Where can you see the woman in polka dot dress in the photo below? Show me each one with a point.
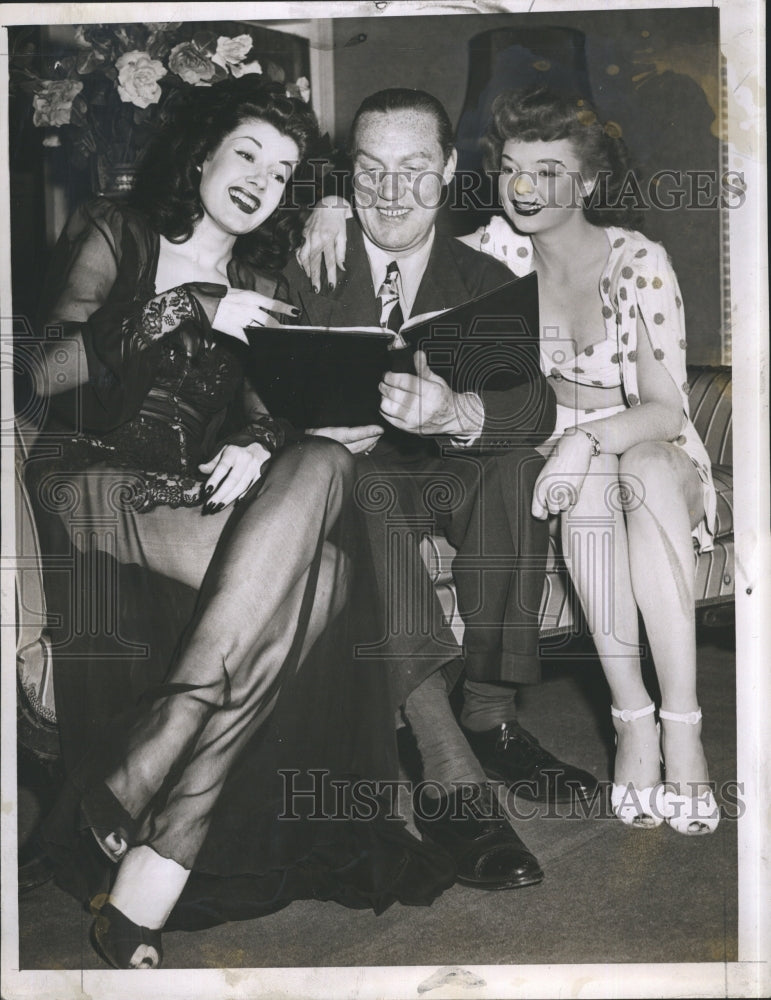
(626, 471)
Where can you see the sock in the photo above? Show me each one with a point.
(444, 750)
(487, 705)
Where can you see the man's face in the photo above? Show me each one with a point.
(398, 173)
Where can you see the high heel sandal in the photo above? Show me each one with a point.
(118, 939)
(636, 807)
(691, 815)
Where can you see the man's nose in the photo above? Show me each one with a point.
(393, 184)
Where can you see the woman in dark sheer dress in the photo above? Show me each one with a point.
(152, 299)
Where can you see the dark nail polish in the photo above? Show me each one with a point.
(295, 312)
(316, 289)
(208, 491)
(207, 508)
(219, 507)
(331, 287)
(236, 503)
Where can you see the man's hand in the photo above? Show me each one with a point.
(355, 439)
(425, 404)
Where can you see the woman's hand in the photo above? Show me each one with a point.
(241, 308)
(325, 238)
(558, 486)
(355, 439)
(232, 471)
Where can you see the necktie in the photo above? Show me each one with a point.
(391, 315)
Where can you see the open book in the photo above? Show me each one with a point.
(328, 376)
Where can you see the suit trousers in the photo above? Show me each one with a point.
(482, 505)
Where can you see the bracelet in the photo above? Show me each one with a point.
(596, 450)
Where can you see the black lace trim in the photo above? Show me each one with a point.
(157, 489)
(158, 317)
(267, 431)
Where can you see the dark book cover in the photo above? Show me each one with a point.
(327, 377)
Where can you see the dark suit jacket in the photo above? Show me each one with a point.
(455, 274)
(496, 488)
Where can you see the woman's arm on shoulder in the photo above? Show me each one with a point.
(324, 240)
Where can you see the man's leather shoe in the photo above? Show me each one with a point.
(471, 827)
(511, 754)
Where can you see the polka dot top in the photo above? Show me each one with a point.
(638, 285)
(598, 365)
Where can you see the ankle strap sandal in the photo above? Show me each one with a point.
(638, 807)
(691, 815)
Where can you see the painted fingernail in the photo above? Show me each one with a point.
(316, 289)
(219, 507)
(331, 287)
(208, 491)
(294, 311)
(206, 508)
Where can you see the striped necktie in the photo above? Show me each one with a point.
(391, 316)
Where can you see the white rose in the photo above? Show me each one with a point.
(232, 50)
(304, 87)
(53, 103)
(138, 77)
(242, 69)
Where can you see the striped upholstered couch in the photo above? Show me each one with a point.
(710, 405)
(710, 401)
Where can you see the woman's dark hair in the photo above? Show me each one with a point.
(167, 188)
(406, 99)
(543, 115)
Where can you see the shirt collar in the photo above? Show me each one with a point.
(411, 269)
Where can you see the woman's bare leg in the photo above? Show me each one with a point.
(666, 502)
(595, 547)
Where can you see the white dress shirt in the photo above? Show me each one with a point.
(412, 267)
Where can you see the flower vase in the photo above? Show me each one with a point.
(114, 180)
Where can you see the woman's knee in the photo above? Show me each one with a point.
(649, 470)
(329, 467)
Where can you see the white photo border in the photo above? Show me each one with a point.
(742, 36)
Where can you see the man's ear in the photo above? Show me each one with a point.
(449, 168)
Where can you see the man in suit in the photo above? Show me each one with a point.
(459, 459)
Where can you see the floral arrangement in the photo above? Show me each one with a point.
(109, 93)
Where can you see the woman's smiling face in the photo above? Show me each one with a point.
(243, 180)
(540, 183)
